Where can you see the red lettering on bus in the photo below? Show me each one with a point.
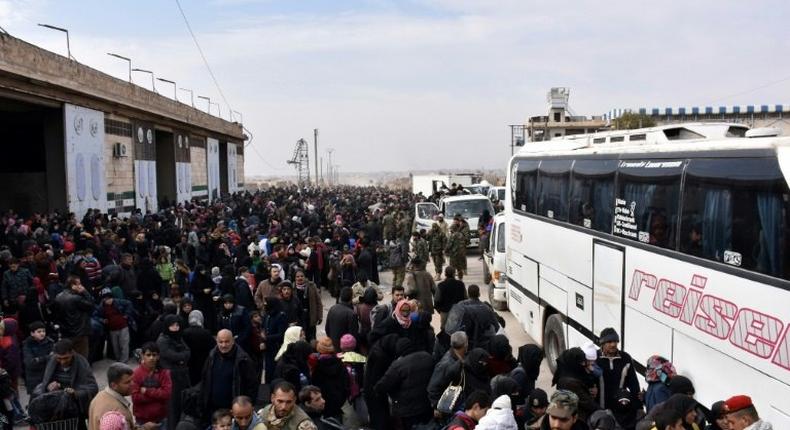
(713, 316)
(759, 334)
(638, 280)
(690, 307)
(782, 357)
(756, 332)
(669, 297)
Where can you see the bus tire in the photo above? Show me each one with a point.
(553, 340)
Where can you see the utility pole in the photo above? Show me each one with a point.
(321, 164)
(329, 168)
(315, 148)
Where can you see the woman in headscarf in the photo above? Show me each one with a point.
(201, 288)
(406, 321)
(293, 334)
(331, 377)
(174, 355)
(275, 322)
(381, 356)
(502, 360)
(293, 364)
(526, 373)
(572, 374)
(658, 372)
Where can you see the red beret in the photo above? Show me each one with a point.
(736, 403)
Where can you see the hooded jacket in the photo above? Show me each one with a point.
(526, 373)
(499, 416)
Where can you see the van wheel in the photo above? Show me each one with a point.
(553, 340)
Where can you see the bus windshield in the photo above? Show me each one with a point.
(468, 208)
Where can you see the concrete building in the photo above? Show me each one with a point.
(560, 120)
(76, 138)
(763, 115)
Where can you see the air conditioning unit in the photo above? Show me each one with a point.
(120, 150)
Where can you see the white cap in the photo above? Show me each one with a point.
(502, 402)
(590, 351)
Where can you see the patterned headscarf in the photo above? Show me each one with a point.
(659, 369)
(405, 322)
(113, 420)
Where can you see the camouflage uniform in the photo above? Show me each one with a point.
(456, 250)
(388, 226)
(421, 252)
(437, 241)
(404, 225)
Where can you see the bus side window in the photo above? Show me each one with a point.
(592, 194)
(648, 192)
(526, 184)
(553, 185)
(735, 211)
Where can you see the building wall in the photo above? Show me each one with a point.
(199, 170)
(240, 169)
(119, 171)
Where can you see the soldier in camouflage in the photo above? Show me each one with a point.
(464, 227)
(456, 250)
(419, 249)
(388, 226)
(437, 241)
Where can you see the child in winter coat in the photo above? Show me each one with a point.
(35, 353)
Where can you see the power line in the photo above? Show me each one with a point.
(769, 84)
(203, 56)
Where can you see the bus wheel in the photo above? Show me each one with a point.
(553, 340)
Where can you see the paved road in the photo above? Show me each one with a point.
(513, 330)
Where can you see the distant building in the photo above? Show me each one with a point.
(763, 115)
(560, 120)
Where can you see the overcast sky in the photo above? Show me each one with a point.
(424, 84)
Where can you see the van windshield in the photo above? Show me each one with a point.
(427, 211)
(468, 208)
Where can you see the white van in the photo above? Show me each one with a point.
(470, 207)
(424, 216)
(495, 264)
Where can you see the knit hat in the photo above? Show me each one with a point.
(608, 335)
(325, 346)
(348, 342)
(228, 298)
(170, 320)
(196, 318)
(502, 402)
(113, 420)
(736, 403)
(590, 351)
(105, 292)
(682, 385)
(538, 398)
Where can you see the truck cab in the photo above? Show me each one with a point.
(470, 207)
(495, 264)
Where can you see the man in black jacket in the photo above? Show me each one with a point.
(618, 370)
(406, 382)
(74, 307)
(342, 319)
(228, 373)
(448, 292)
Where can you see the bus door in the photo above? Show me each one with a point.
(608, 287)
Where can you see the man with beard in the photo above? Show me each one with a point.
(283, 413)
(312, 308)
(268, 287)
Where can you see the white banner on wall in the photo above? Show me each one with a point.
(212, 162)
(145, 188)
(184, 182)
(87, 189)
(232, 183)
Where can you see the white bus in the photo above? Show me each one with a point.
(676, 236)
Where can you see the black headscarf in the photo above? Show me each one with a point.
(529, 358)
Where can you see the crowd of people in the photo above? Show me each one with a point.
(213, 317)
